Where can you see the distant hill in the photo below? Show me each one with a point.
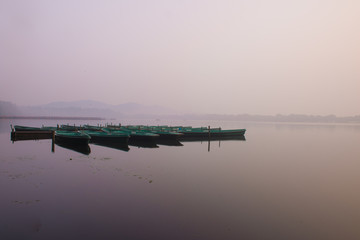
(8, 109)
(89, 108)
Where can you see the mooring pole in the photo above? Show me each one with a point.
(53, 142)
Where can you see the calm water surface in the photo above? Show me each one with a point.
(286, 181)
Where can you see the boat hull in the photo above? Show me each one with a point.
(28, 129)
(214, 134)
(75, 138)
(109, 139)
(72, 140)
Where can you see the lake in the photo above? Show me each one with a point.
(285, 181)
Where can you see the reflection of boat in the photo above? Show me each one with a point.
(213, 138)
(168, 142)
(142, 143)
(114, 137)
(115, 145)
(31, 135)
(81, 148)
(69, 137)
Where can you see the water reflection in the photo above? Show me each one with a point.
(169, 142)
(30, 136)
(80, 148)
(202, 139)
(142, 144)
(114, 145)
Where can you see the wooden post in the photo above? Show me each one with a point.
(53, 142)
(209, 131)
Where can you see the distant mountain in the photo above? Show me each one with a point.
(78, 104)
(89, 108)
(8, 109)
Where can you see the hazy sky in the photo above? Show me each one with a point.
(206, 56)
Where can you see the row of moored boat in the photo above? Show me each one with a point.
(121, 134)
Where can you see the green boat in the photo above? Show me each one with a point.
(72, 137)
(164, 132)
(92, 128)
(217, 133)
(102, 136)
(71, 128)
(137, 135)
(19, 128)
(49, 128)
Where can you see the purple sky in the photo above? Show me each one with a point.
(210, 56)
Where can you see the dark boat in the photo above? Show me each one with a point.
(72, 137)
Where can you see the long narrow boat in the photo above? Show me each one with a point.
(92, 128)
(72, 137)
(71, 128)
(134, 134)
(114, 136)
(49, 128)
(19, 128)
(212, 133)
(164, 132)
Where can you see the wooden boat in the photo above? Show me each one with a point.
(114, 136)
(92, 128)
(164, 132)
(49, 128)
(72, 137)
(134, 134)
(19, 128)
(71, 128)
(217, 133)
